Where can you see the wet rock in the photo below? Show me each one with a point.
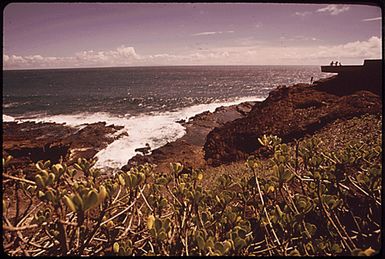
(144, 150)
(89, 140)
(181, 121)
(188, 150)
(29, 142)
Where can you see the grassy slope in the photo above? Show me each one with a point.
(367, 128)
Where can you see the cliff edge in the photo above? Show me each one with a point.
(293, 112)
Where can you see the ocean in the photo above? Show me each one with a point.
(147, 101)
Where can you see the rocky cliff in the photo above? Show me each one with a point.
(290, 113)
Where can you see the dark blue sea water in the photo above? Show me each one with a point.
(146, 100)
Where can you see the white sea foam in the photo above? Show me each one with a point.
(8, 118)
(155, 129)
(76, 120)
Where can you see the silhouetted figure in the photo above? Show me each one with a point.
(331, 63)
(339, 64)
(144, 150)
(311, 80)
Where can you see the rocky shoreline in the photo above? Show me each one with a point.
(29, 142)
(188, 150)
(288, 112)
(227, 135)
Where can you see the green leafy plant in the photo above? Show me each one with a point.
(301, 201)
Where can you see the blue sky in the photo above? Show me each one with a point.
(93, 35)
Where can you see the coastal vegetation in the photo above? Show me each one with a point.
(310, 197)
(220, 136)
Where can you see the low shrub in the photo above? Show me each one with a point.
(301, 201)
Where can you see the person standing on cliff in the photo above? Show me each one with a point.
(311, 80)
(331, 63)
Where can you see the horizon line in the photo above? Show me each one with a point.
(53, 68)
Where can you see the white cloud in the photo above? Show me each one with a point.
(302, 14)
(34, 58)
(205, 33)
(119, 57)
(5, 58)
(334, 9)
(258, 53)
(201, 57)
(347, 53)
(17, 58)
(36, 61)
(372, 19)
(298, 39)
(210, 33)
(127, 52)
(357, 49)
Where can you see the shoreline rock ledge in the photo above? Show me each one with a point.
(29, 142)
(189, 148)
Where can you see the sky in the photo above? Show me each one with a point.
(60, 35)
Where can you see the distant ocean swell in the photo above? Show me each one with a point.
(156, 129)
